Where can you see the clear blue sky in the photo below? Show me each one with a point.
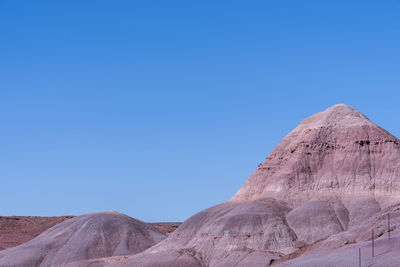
(159, 109)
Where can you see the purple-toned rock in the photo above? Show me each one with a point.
(335, 171)
(88, 236)
(337, 153)
(225, 235)
(332, 179)
(314, 221)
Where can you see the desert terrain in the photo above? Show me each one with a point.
(327, 195)
(15, 230)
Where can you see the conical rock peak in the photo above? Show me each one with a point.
(338, 152)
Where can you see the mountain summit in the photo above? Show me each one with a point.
(337, 115)
(338, 153)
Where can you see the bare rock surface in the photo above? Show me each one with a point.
(313, 202)
(314, 221)
(166, 227)
(335, 154)
(228, 234)
(84, 237)
(342, 213)
(362, 210)
(15, 230)
(331, 174)
(342, 249)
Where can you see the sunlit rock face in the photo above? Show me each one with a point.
(336, 153)
(328, 176)
(224, 235)
(325, 185)
(84, 237)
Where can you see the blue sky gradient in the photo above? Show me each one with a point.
(159, 109)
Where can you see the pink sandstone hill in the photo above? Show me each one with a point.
(313, 202)
(336, 153)
(327, 183)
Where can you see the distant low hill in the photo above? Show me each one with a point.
(15, 230)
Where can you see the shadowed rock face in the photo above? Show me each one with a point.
(166, 227)
(85, 237)
(342, 249)
(313, 221)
